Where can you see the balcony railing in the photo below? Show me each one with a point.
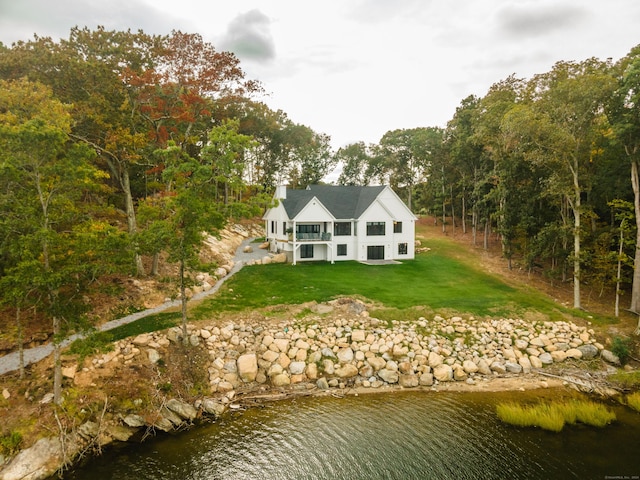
(318, 237)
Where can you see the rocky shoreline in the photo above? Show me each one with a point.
(335, 348)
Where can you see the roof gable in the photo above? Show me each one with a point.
(343, 202)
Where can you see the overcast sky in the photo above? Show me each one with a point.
(355, 69)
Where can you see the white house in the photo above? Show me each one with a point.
(333, 223)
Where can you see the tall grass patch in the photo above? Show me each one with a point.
(633, 401)
(553, 416)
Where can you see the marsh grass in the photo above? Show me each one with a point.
(553, 416)
(626, 379)
(633, 401)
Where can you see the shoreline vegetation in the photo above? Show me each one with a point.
(245, 347)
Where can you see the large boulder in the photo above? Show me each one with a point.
(347, 371)
(389, 376)
(39, 461)
(345, 355)
(610, 357)
(182, 409)
(247, 366)
(409, 381)
(443, 373)
(588, 351)
(377, 363)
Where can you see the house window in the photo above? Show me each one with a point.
(342, 228)
(306, 251)
(375, 228)
(308, 228)
(342, 249)
(402, 249)
(284, 227)
(397, 227)
(273, 226)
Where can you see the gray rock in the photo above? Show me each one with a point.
(388, 376)
(610, 357)
(499, 368)
(163, 424)
(588, 351)
(182, 409)
(328, 353)
(173, 417)
(212, 407)
(546, 358)
(513, 367)
(297, 368)
(121, 433)
(89, 430)
(153, 355)
(133, 420)
(39, 461)
(322, 384)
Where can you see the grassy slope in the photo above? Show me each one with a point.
(434, 279)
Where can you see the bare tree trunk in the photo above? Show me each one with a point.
(20, 345)
(576, 207)
(619, 272)
(57, 363)
(453, 212)
(131, 219)
(474, 225)
(635, 287)
(464, 214)
(155, 265)
(485, 241)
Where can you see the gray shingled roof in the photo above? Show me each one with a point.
(344, 202)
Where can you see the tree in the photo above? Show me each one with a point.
(190, 205)
(355, 159)
(624, 114)
(406, 153)
(52, 236)
(557, 131)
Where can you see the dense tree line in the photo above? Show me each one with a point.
(548, 165)
(117, 147)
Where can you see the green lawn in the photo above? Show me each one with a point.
(434, 280)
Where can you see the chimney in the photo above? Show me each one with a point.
(281, 192)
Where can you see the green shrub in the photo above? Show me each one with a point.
(621, 346)
(633, 401)
(553, 416)
(10, 443)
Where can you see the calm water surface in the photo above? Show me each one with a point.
(380, 436)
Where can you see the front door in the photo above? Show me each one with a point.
(375, 252)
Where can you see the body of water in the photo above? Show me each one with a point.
(419, 435)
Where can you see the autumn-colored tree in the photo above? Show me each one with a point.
(54, 246)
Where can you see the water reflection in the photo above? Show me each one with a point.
(393, 436)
